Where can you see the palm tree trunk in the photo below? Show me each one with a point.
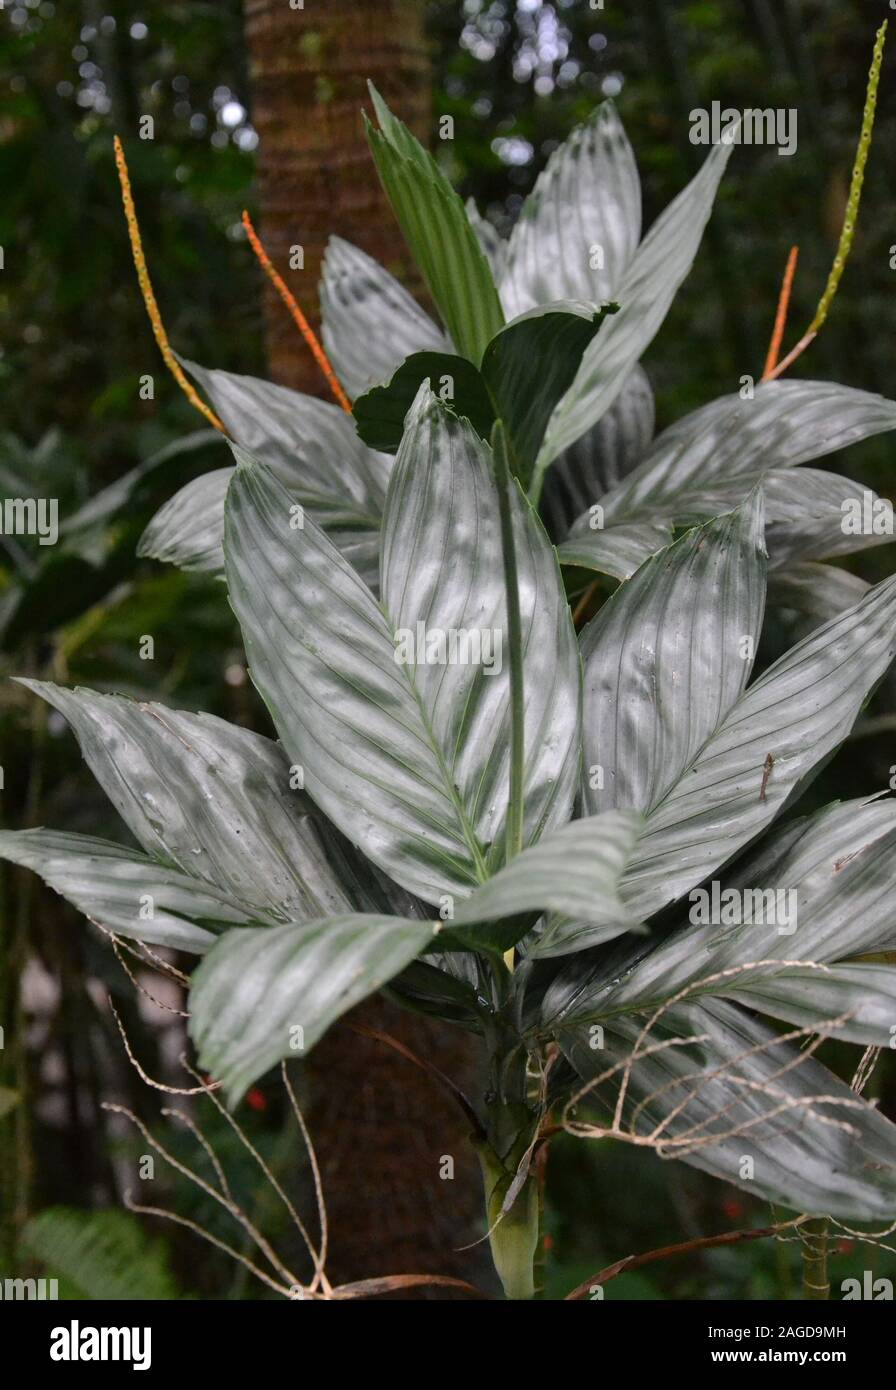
(386, 1135)
(309, 69)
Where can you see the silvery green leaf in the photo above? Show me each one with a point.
(604, 455)
(742, 1092)
(645, 292)
(262, 996)
(815, 515)
(310, 445)
(835, 882)
(438, 232)
(617, 550)
(493, 244)
(126, 891)
(370, 323)
(667, 657)
(763, 750)
(208, 797)
(785, 424)
(188, 530)
(411, 761)
(816, 593)
(575, 870)
(856, 1003)
(580, 226)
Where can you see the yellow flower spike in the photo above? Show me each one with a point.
(855, 186)
(149, 298)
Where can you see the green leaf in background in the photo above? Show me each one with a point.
(100, 1255)
(435, 226)
(370, 323)
(263, 996)
(526, 369)
(380, 413)
(530, 365)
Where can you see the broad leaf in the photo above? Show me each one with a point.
(763, 750)
(618, 550)
(740, 1091)
(574, 871)
(666, 658)
(836, 877)
(604, 455)
(580, 225)
(208, 797)
(525, 370)
(411, 760)
(645, 293)
(493, 244)
(125, 891)
(785, 424)
(370, 323)
(188, 531)
(815, 592)
(380, 413)
(261, 996)
(436, 228)
(853, 1002)
(530, 364)
(310, 445)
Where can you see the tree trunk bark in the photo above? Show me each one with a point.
(385, 1132)
(309, 69)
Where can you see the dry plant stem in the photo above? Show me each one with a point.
(816, 1280)
(686, 1247)
(774, 349)
(149, 298)
(228, 1204)
(315, 1169)
(145, 1077)
(165, 1215)
(298, 317)
(251, 1149)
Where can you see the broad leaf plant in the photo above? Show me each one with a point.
(503, 821)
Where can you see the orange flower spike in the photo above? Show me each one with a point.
(149, 298)
(774, 350)
(298, 317)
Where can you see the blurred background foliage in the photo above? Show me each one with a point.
(516, 75)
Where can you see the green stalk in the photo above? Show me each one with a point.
(515, 636)
(514, 838)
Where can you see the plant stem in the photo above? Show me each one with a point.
(816, 1280)
(514, 834)
(515, 638)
